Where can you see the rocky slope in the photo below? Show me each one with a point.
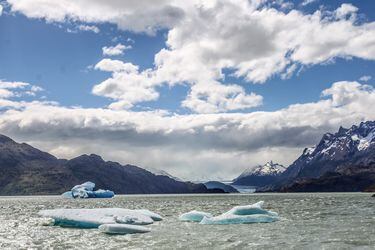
(25, 170)
(344, 161)
(261, 175)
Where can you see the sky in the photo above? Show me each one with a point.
(200, 89)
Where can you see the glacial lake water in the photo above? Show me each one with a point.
(308, 221)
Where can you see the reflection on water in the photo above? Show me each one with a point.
(329, 221)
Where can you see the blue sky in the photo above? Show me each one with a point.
(48, 55)
(40, 47)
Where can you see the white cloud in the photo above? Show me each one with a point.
(135, 15)
(91, 28)
(126, 85)
(307, 2)
(251, 38)
(16, 89)
(1, 9)
(345, 9)
(208, 144)
(115, 50)
(365, 78)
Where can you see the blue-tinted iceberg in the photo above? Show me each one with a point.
(93, 218)
(194, 216)
(86, 190)
(226, 219)
(122, 229)
(237, 215)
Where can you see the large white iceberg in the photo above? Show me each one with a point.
(194, 216)
(93, 218)
(122, 229)
(237, 215)
(86, 190)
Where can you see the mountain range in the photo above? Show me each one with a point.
(343, 161)
(25, 170)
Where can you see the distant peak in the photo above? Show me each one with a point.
(5, 139)
(94, 157)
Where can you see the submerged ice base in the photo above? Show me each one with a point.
(93, 218)
(122, 229)
(237, 215)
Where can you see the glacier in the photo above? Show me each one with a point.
(237, 215)
(122, 229)
(94, 217)
(86, 190)
(194, 216)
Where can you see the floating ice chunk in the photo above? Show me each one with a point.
(194, 216)
(152, 215)
(93, 218)
(122, 229)
(226, 219)
(100, 193)
(251, 209)
(86, 190)
(237, 215)
(89, 186)
(67, 195)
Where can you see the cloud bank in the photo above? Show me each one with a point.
(197, 145)
(254, 40)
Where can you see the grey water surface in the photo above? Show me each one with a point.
(308, 221)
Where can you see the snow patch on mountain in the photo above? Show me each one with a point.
(269, 168)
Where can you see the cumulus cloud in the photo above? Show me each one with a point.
(115, 50)
(194, 143)
(365, 78)
(307, 2)
(16, 89)
(91, 28)
(126, 86)
(1, 9)
(134, 15)
(253, 39)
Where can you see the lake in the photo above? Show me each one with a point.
(308, 221)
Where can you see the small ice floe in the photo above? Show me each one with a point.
(237, 215)
(194, 216)
(122, 229)
(86, 190)
(93, 218)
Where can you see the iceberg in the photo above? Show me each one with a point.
(93, 218)
(194, 216)
(122, 229)
(226, 219)
(237, 215)
(86, 190)
(251, 209)
(152, 215)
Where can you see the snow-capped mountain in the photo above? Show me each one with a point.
(260, 175)
(269, 168)
(347, 153)
(343, 143)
